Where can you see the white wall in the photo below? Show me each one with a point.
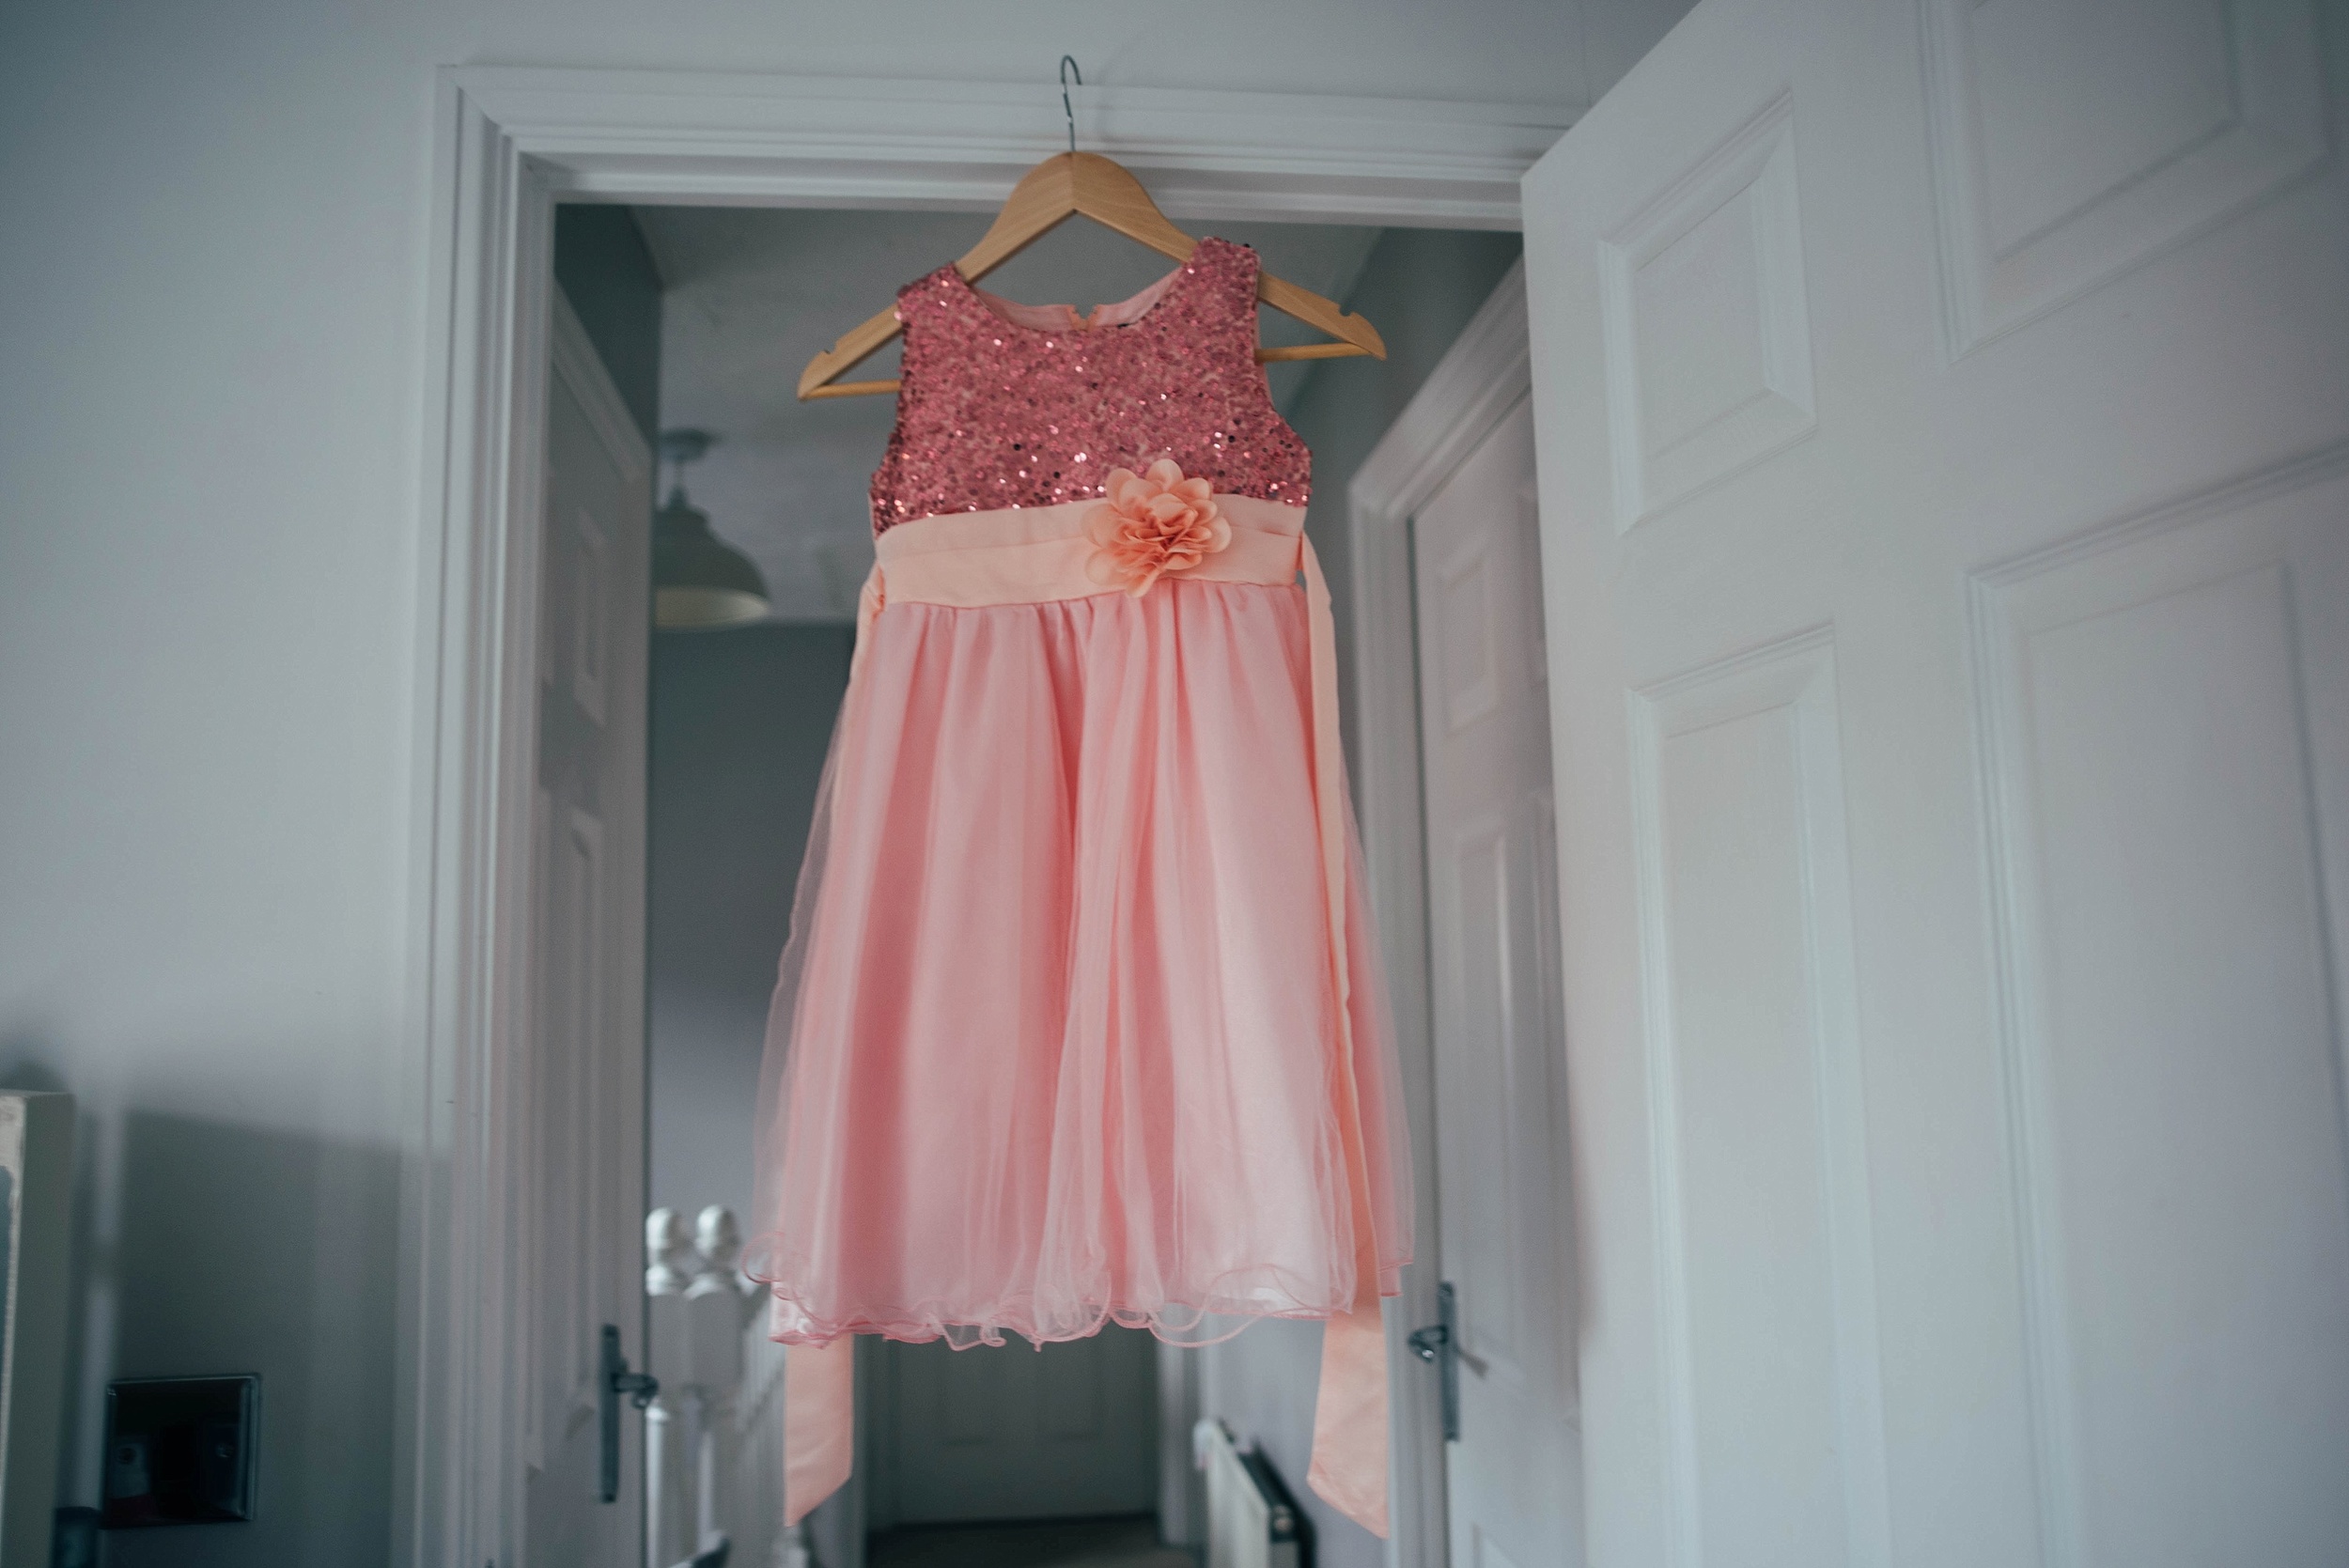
(212, 352)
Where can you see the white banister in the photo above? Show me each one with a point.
(713, 1452)
(670, 1265)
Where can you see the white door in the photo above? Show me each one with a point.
(1513, 1475)
(584, 1217)
(1012, 1432)
(1944, 441)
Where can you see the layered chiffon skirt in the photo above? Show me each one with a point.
(1057, 1040)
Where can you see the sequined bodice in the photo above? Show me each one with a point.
(1006, 406)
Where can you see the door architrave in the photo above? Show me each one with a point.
(510, 143)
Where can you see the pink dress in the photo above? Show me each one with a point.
(1080, 1019)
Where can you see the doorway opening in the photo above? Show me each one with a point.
(518, 141)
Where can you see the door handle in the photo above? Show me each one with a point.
(618, 1381)
(1438, 1345)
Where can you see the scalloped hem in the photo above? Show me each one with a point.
(1189, 1325)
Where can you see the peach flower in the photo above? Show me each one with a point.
(1152, 524)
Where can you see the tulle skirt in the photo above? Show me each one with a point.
(1056, 1040)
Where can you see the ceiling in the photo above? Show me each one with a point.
(754, 293)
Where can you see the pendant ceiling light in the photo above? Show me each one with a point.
(699, 582)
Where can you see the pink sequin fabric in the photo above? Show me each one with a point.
(1007, 405)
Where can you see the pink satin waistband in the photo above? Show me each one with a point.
(1038, 555)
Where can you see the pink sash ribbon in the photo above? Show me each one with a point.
(1037, 556)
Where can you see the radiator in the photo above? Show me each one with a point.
(1253, 1522)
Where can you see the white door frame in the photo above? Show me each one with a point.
(1483, 375)
(510, 143)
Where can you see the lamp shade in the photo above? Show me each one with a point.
(699, 582)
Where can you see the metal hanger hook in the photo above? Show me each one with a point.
(1069, 69)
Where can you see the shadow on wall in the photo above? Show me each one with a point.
(241, 1249)
(237, 1248)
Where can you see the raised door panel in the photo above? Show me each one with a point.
(1494, 894)
(573, 1094)
(1708, 333)
(1774, 1423)
(591, 635)
(1473, 909)
(2159, 702)
(1463, 633)
(2073, 140)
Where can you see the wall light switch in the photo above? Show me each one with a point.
(181, 1451)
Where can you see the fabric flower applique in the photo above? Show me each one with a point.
(1149, 525)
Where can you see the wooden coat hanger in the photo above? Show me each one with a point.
(1071, 184)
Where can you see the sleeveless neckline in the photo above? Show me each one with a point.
(1129, 312)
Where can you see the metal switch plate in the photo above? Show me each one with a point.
(181, 1451)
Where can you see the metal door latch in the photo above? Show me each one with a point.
(1438, 1345)
(638, 1388)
